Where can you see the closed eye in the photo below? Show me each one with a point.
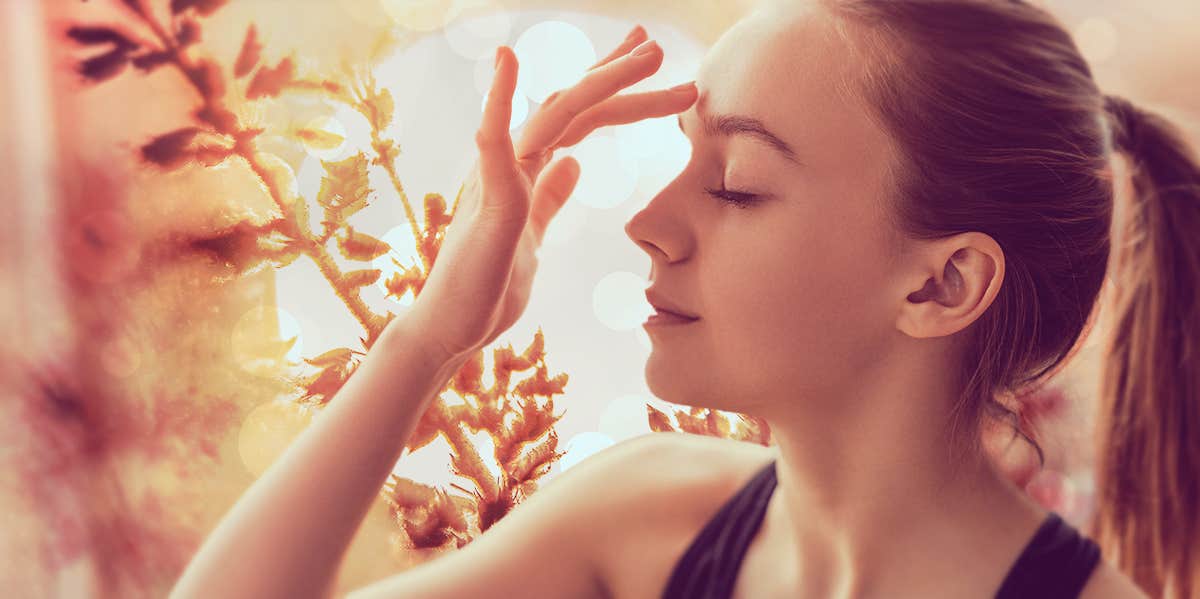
(739, 199)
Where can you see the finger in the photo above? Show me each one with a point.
(551, 192)
(629, 108)
(631, 41)
(498, 167)
(563, 106)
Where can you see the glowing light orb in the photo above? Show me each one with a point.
(619, 301)
(347, 123)
(520, 109)
(1097, 39)
(564, 229)
(625, 417)
(553, 55)
(643, 338)
(483, 72)
(258, 336)
(608, 175)
(661, 152)
(478, 30)
(581, 446)
(404, 251)
(420, 15)
(267, 431)
(325, 138)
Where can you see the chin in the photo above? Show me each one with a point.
(682, 387)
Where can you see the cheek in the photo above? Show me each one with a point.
(803, 300)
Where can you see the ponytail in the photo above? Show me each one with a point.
(1147, 519)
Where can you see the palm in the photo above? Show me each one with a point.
(481, 281)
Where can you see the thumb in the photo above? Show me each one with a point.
(551, 191)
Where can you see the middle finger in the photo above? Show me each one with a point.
(562, 107)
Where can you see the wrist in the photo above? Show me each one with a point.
(401, 335)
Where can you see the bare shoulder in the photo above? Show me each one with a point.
(672, 483)
(679, 465)
(1107, 582)
(610, 506)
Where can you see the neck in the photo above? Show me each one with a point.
(870, 498)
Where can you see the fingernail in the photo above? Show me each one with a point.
(645, 48)
(633, 34)
(683, 87)
(497, 65)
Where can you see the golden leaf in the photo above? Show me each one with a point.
(320, 139)
(658, 420)
(333, 357)
(248, 56)
(361, 278)
(360, 246)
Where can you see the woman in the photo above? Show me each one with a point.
(895, 212)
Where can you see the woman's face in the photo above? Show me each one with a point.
(791, 290)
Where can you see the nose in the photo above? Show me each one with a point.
(659, 235)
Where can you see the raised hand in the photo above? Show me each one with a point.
(480, 283)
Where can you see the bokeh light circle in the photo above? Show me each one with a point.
(608, 175)
(520, 109)
(625, 417)
(333, 128)
(581, 446)
(258, 335)
(267, 431)
(619, 301)
(1097, 39)
(404, 251)
(479, 29)
(553, 55)
(420, 15)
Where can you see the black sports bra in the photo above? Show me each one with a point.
(1055, 564)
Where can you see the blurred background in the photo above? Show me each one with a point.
(148, 381)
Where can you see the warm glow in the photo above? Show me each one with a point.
(608, 175)
(619, 301)
(259, 339)
(1097, 39)
(420, 15)
(267, 432)
(625, 417)
(477, 32)
(325, 138)
(553, 55)
(581, 446)
(404, 251)
(520, 109)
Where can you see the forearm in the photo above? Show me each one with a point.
(287, 534)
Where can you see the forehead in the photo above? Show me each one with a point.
(786, 65)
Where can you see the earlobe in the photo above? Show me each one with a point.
(961, 279)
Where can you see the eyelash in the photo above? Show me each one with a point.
(738, 199)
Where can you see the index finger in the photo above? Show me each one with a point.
(557, 112)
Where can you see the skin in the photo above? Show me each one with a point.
(305, 509)
(817, 315)
(865, 501)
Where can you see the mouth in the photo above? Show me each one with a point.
(664, 318)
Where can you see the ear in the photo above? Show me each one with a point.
(954, 281)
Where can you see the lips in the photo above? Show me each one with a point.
(666, 306)
(668, 318)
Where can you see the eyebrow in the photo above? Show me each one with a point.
(729, 125)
